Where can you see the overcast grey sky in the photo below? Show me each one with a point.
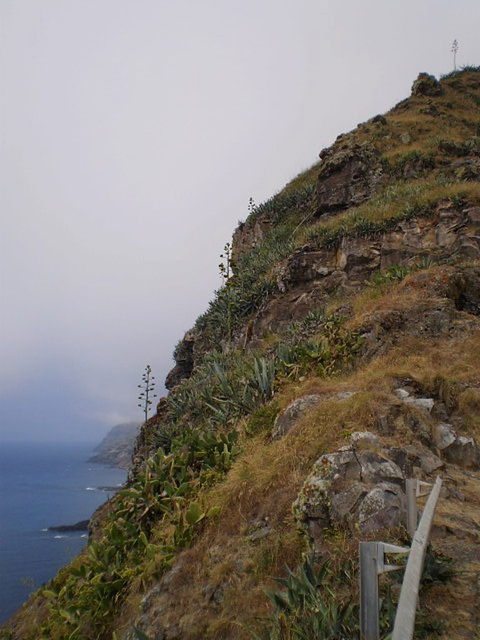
(133, 133)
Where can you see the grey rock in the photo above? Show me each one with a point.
(305, 265)
(439, 412)
(213, 593)
(315, 530)
(345, 505)
(401, 393)
(364, 440)
(344, 395)
(419, 424)
(292, 414)
(457, 495)
(287, 419)
(459, 450)
(349, 174)
(342, 465)
(352, 488)
(403, 459)
(259, 534)
(312, 502)
(386, 423)
(358, 258)
(443, 435)
(171, 575)
(377, 468)
(429, 462)
(410, 457)
(463, 452)
(422, 403)
(383, 507)
(149, 598)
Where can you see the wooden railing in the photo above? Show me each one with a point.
(373, 563)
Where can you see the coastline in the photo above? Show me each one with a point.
(46, 491)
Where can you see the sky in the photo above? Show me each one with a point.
(133, 134)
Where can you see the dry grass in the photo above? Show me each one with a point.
(469, 407)
(457, 535)
(267, 477)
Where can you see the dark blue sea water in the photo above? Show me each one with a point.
(43, 485)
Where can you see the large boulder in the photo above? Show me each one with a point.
(359, 486)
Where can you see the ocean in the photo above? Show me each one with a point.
(44, 485)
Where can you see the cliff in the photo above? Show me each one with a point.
(339, 358)
(117, 446)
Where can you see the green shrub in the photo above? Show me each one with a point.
(85, 598)
(262, 419)
(309, 607)
(395, 273)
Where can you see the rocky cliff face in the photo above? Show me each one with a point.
(405, 147)
(117, 447)
(339, 360)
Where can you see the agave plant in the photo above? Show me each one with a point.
(308, 608)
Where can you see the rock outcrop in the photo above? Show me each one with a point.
(426, 85)
(117, 447)
(184, 360)
(310, 276)
(349, 174)
(357, 488)
(361, 487)
(287, 419)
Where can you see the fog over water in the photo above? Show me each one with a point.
(133, 134)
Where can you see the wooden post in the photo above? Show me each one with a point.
(369, 624)
(414, 489)
(412, 515)
(372, 564)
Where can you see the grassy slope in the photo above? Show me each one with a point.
(266, 479)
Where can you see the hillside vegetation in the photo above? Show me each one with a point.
(350, 303)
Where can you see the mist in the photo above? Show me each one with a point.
(133, 136)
